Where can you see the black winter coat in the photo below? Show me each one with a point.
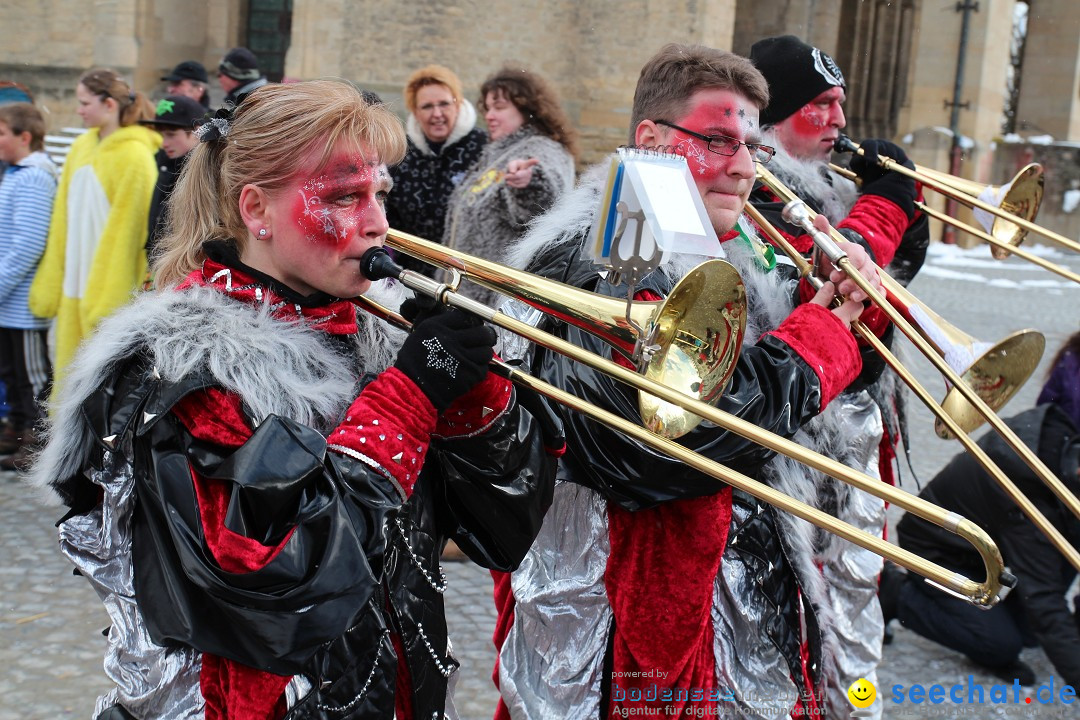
(423, 183)
(168, 171)
(1044, 576)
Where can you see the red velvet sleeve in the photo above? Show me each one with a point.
(825, 343)
(881, 223)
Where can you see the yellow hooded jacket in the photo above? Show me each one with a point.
(95, 256)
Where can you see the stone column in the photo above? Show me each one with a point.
(934, 66)
(1050, 81)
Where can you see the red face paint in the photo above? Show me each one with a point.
(809, 133)
(330, 207)
(714, 116)
(723, 181)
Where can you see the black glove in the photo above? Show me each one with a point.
(888, 184)
(446, 355)
(420, 307)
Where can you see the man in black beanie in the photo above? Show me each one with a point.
(803, 120)
(239, 74)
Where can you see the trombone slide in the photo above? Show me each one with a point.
(985, 593)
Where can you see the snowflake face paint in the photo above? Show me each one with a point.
(321, 222)
(724, 181)
(809, 133)
(331, 207)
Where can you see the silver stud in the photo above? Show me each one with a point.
(110, 441)
(400, 436)
(397, 458)
(155, 374)
(375, 422)
(363, 440)
(382, 437)
(348, 419)
(147, 417)
(262, 232)
(485, 412)
(341, 432)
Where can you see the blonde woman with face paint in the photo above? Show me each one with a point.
(259, 477)
(527, 165)
(95, 256)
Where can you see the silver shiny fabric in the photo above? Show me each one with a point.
(747, 665)
(151, 681)
(551, 665)
(511, 346)
(851, 573)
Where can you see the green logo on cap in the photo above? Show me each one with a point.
(165, 106)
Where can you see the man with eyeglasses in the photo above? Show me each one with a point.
(803, 120)
(653, 589)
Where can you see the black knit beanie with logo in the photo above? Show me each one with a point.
(796, 72)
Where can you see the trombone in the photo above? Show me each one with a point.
(1029, 179)
(942, 414)
(1005, 237)
(551, 297)
(917, 323)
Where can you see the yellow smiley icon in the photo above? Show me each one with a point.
(862, 693)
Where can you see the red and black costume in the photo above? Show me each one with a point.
(263, 518)
(705, 598)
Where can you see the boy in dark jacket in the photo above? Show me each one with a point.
(176, 118)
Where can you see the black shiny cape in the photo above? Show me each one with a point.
(360, 564)
(772, 387)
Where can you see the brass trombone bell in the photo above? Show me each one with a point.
(1022, 198)
(689, 342)
(994, 371)
(949, 189)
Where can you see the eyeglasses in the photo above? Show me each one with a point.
(724, 145)
(443, 106)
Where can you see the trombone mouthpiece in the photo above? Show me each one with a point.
(795, 213)
(376, 264)
(844, 144)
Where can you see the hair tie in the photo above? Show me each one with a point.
(215, 127)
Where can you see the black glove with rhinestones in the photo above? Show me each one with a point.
(446, 355)
(888, 184)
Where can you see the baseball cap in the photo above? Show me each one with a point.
(176, 111)
(240, 64)
(187, 70)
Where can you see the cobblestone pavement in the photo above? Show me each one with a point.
(51, 622)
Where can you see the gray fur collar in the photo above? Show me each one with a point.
(812, 180)
(277, 367)
(466, 121)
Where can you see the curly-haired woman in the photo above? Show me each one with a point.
(527, 165)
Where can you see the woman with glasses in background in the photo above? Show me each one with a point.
(443, 143)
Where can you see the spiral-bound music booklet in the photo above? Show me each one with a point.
(650, 208)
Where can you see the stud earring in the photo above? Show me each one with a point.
(262, 232)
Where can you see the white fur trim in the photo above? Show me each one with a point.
(466, 121)
(276, 367)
